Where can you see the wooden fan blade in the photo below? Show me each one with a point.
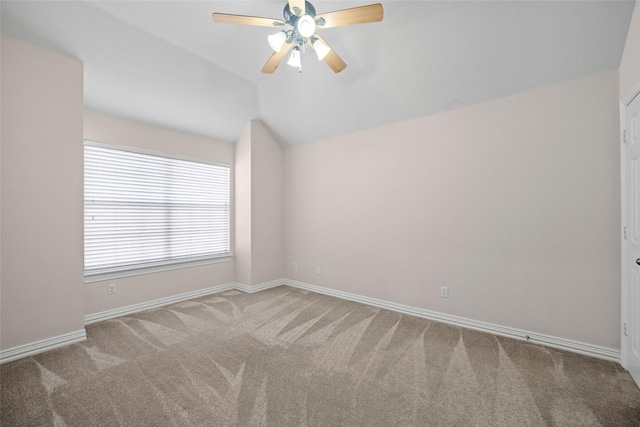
(332, 59)
(225, 18)
(276, 59)
(299, 4)
(356, 15)
(335, 62)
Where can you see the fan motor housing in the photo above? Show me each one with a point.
(291, 18)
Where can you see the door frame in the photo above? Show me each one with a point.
(629, 96)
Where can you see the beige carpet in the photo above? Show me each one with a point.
(287, 357)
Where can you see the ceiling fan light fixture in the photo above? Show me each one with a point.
(277, 40)
(321, 49)
(306, 26)
(294, 59)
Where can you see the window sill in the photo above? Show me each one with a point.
(110, 275)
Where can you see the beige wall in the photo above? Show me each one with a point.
(142, 288)
(513, 204)
(243, 206)
(41, 282)
(630, 64)
(267, 201)
(43, 126)
(259, 206)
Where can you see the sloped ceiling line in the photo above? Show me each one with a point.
(166, 63)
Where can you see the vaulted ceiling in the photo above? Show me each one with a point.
(167, 63)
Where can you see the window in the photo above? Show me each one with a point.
(146, 211)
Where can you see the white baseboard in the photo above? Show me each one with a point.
(261, 287)
(134, 308)
(546, 340)
(41, 346)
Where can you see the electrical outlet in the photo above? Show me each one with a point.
(444, 292)
(318, 269)
(111, 289)
(293, 265)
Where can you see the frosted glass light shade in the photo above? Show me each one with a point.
(294, 59)
(321, 49)
(306, 26)
(277, 40)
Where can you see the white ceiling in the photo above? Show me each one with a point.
(167, 63)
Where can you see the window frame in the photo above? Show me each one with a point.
(109, 273)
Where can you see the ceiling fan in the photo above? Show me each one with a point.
(301, 16)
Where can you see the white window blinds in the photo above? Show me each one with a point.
(143, 210)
